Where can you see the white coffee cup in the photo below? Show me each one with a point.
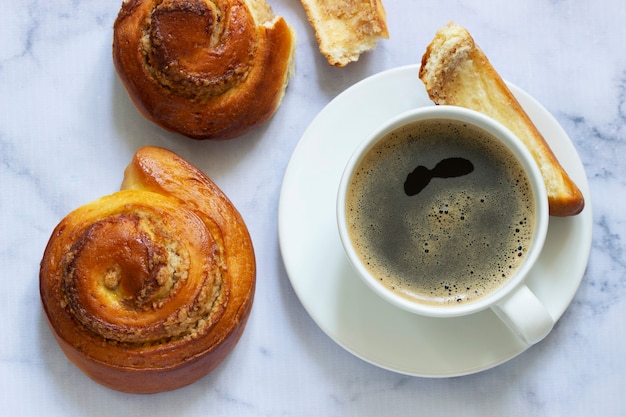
(513, 302)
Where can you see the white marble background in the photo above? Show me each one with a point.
(67, 130)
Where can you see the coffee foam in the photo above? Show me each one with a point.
(457, 240)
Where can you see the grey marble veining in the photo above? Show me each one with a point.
(67, 130)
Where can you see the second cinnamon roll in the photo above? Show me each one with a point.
(207, 69)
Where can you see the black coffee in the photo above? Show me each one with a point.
(441, 212)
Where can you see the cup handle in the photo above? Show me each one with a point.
(525, 315)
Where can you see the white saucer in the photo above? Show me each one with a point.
(343, 306)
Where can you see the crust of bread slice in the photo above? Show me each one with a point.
(345, 29)
(455, 71)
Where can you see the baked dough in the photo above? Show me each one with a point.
(455, 71)
(148, 289)
(344, 29)
(207, 69)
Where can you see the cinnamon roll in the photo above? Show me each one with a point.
(148, 289)
(207, 69)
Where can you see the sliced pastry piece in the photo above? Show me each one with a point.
(455, 71)
(345, 29)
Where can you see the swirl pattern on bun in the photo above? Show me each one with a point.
(148, 289)
(207, 69)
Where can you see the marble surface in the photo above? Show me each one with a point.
(67, 130)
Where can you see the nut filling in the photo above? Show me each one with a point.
(213, 56)
(127, 279)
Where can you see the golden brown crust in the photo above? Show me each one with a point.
(455, 71)
(148, 289)
(344, 29)
(207, 69)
